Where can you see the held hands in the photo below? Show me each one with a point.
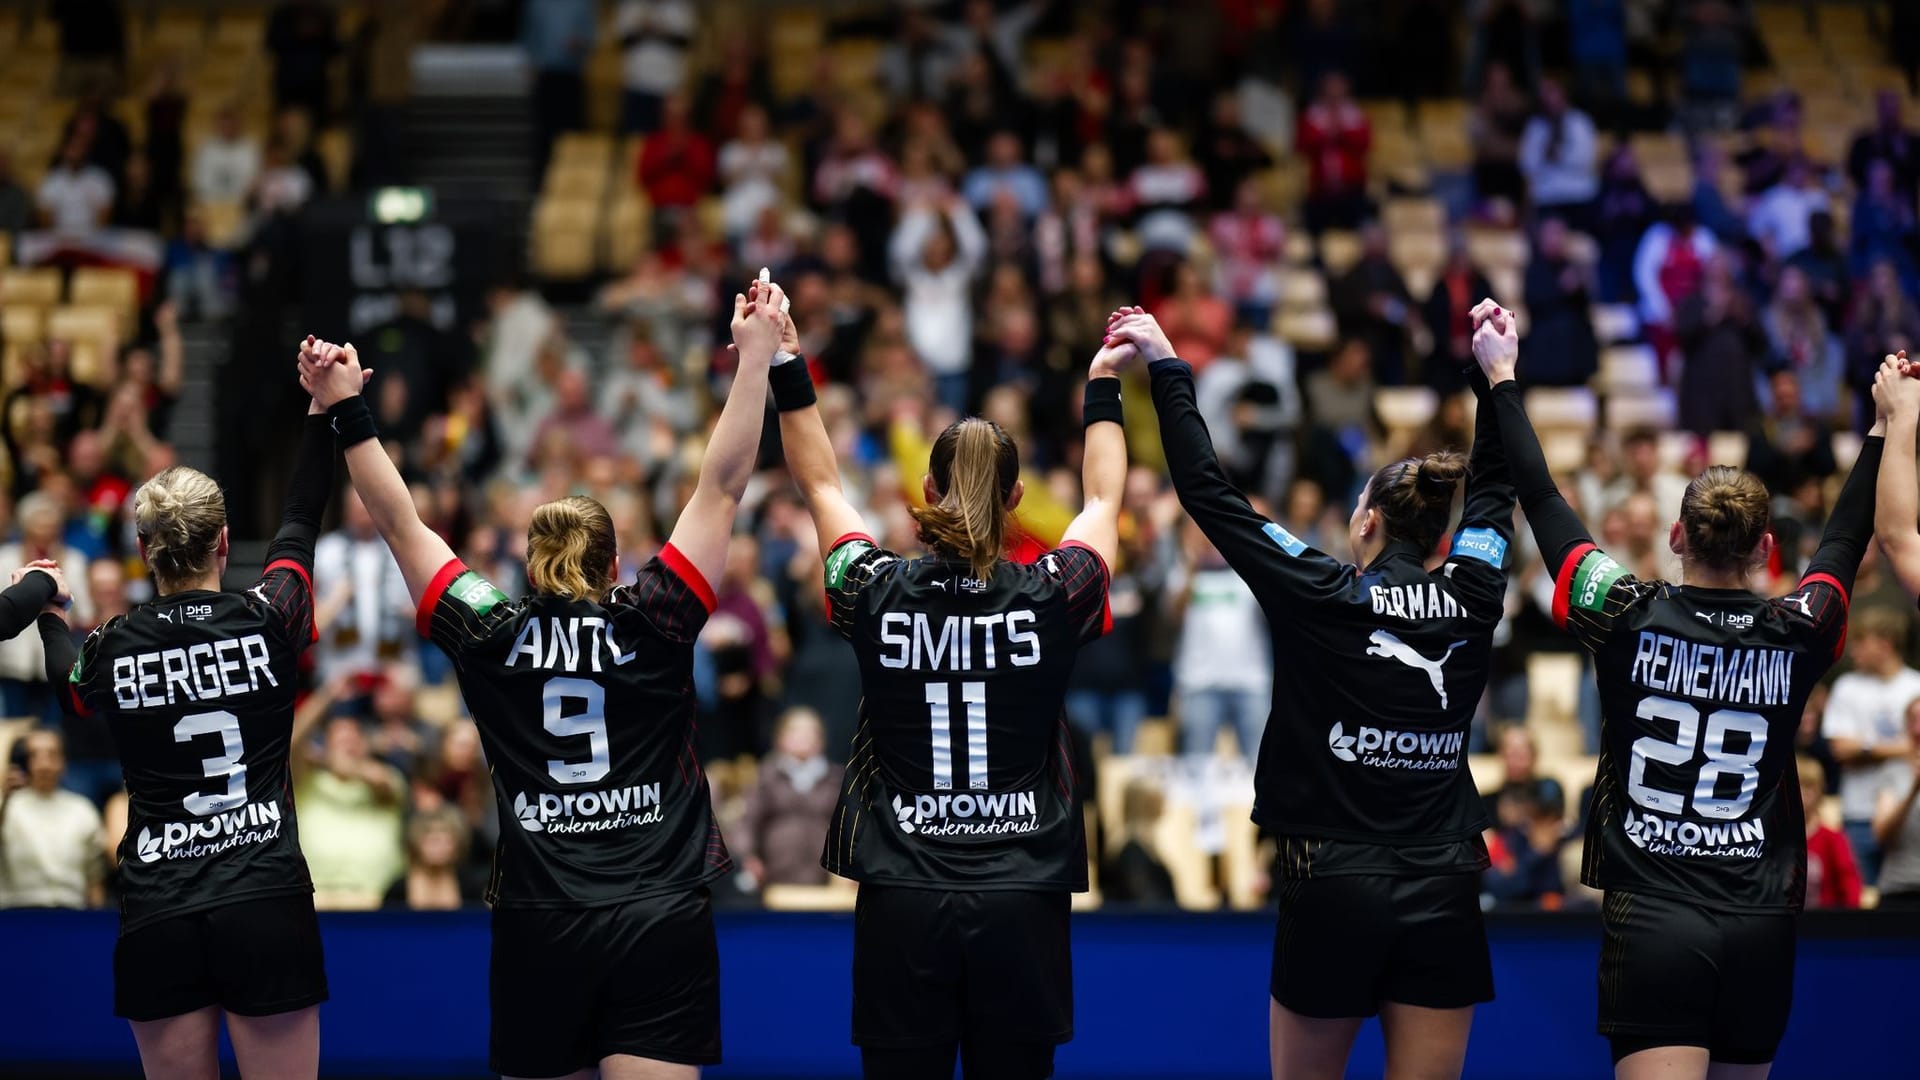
(1496, 341)
(1896, 388)
(1133, 326)
(758, 324)
(331, 373)
(61, 596)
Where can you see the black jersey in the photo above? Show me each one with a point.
(1701, 692)
(960, 775)
(198, 689)
(586, 714)
(1377, 669)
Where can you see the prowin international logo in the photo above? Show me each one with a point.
(254, 823)
(1008, 813)
(589, 811)
(1690, 839)
(1384, 749)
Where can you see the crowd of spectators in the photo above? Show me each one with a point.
(953, 227)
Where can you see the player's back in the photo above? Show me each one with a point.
(1701, 693)
(585, 711)
(961, 774)
(198, 689)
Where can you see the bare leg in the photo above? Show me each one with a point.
(284, 1046)
(1720, 1070)
(1664, 1063)
(629, 1067)
(185, 1047)
(1307, 1048)
(1425, 1044)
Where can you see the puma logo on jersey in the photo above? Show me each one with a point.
(1801, 602)
(1387, 645)
(166, 616)
(259, 592)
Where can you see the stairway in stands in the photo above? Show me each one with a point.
(191, 429)
(476, 148)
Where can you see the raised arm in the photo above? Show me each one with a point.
(706, 524)
(331, 373)
(37, 587)
(1556, 528)
(1896, 517)
(809, 449)
(1103, 462)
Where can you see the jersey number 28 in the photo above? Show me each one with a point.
(1680, 751)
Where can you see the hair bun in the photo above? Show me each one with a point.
(1439, 472)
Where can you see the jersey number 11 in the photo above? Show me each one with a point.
(940, 703)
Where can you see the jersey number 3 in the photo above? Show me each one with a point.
(1720, 761)
(227, 763)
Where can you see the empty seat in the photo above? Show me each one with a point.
(1339, 250)
(1615, 323)
(574, 182)
(1563, 408)
(1655, 409)
(1629, 368)
(1313, 329)
(1498, 249)
(1727, 448)
(114, 288)
(94, 334)
(1302, 287)
(40, 288)
(1404, 408)
(629, 221)
(1414, 215)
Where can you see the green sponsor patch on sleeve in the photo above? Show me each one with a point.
(841, 558)
(1593, 579)
(74, 675)
(476, 592)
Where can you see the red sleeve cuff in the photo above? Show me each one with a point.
(848, 539)
(1088, 548)
(684, 569)
(77, 702)
(1563, 583)
(423, 619)
(306, 578)
(1846, 603)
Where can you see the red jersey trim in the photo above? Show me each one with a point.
(684, 569)
(78, 703)
(423, 618)
(305, 579)
(1106, 602)
(1846, 604)
(1563, 583)
(848, 539)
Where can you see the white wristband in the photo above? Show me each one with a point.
(781, 356)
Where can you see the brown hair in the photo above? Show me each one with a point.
(974, 467)
(1888, 626)
(571, 548)
(178, 515)
(1724, 515)
(1415, 496)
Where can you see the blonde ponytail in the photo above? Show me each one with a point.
(974, 467)
(571, 548)
(178, 516)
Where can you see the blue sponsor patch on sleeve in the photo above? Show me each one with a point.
(1483, 544)
(1288, 542)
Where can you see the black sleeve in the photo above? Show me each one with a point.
(307, 498)
(1556, 528)
(1488, 508)
(63, 672)
(21, 604)
(1850, 526)
(1269, 558)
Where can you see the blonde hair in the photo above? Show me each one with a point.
(571, 548)
(1724, 514)
(178, 516)
(1415, 496)
(974, 467)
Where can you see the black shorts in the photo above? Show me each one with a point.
(570, 986)
(933, 968)
(1675, 974)
(1346, 944)
(253, 957)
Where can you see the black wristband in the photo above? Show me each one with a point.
(792, 385)
(352, 422)
(1102, 402)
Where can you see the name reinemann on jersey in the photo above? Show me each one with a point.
(249, 823)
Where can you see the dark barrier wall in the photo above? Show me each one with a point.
(1171, 997)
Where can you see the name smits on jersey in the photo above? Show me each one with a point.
(917, 641)
(944, 815)
(589, 811)
(204, 671)
(560, 643)
(253, 823)
(1737, 676)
